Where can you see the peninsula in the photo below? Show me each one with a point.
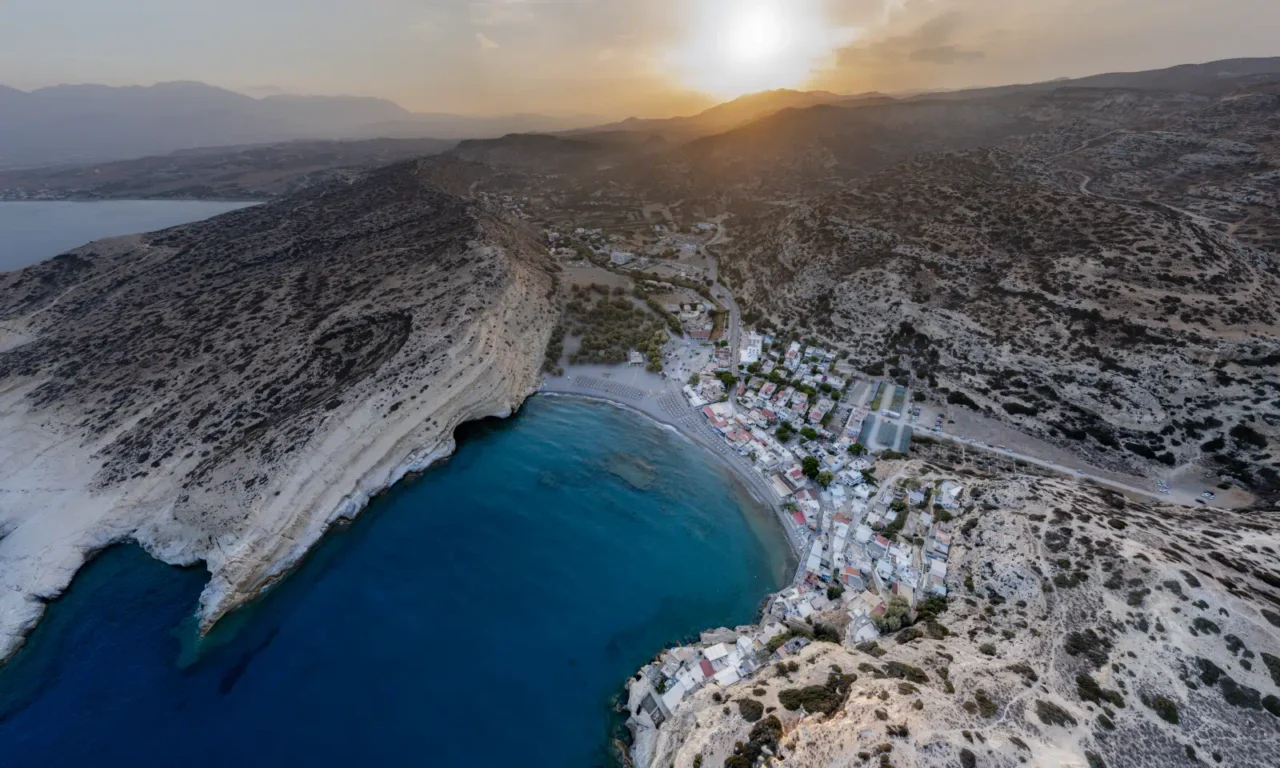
(224, 391)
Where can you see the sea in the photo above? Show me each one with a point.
(31, 232)
(485, 613)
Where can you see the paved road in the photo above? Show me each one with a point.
(1175, 497)
(724, 295)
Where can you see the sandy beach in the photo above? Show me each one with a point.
(661, 400)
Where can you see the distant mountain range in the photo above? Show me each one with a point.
(1209, 78)
(69, 124)
(81, 124)
(731, 114)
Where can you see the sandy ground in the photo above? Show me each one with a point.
(586, 275)
(992, 432)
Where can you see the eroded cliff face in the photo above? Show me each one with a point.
(224, 391)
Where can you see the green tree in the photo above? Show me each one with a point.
(809, 465)
(694, 379)
(809, 433)
(896, 616)
(857, 449)
(826, 478)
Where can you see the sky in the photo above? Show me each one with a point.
(611, 58)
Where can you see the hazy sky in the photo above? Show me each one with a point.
(611, 57)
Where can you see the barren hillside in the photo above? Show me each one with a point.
(1129, 331)
(1081, 629)
(222, 392)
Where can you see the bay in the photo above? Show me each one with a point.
(31, 232)
(483, 614)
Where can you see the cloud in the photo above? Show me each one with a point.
(944, 54)
(496, 13)
(485, 43)
(929, 42)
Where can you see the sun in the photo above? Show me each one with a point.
(734, 48)
(757, 37)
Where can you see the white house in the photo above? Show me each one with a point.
(752, 348)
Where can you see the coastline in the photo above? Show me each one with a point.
(751, 481)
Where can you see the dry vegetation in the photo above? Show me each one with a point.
(1083, 628)
(1130, 332)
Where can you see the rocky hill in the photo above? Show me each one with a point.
(1218, 161)
(1081, 628)
(1131, 332)
(820, 148)
(224, 391)
(226, 173)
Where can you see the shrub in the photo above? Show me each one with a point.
(1273, 667)
(1026, 671)
(1248, 436)
(896, 615)
(1272, 704)
(1018, 409)
(871, 648)
(1089, 690)
(986, 707)
(930, 607)
(814, 698)
(1052, 714)
(1088, 644)
(826, 634)
(1206, 626)
(1164, 707)
(750, 709)
(901, 671)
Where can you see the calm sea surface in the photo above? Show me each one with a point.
(33, 232)
(484, 614)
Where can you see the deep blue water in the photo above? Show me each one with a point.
(35, 231)
(484, 614)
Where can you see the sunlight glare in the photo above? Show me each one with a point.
(735, 47)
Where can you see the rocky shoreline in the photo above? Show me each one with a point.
(223, 392)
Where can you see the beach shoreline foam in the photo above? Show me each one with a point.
(751, 481)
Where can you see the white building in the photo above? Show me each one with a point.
(619, 258)
(752, 348)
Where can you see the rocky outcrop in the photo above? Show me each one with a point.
(223, 392)
(1081, 628)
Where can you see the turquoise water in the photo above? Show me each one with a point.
(484, 614)
(35, 231)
